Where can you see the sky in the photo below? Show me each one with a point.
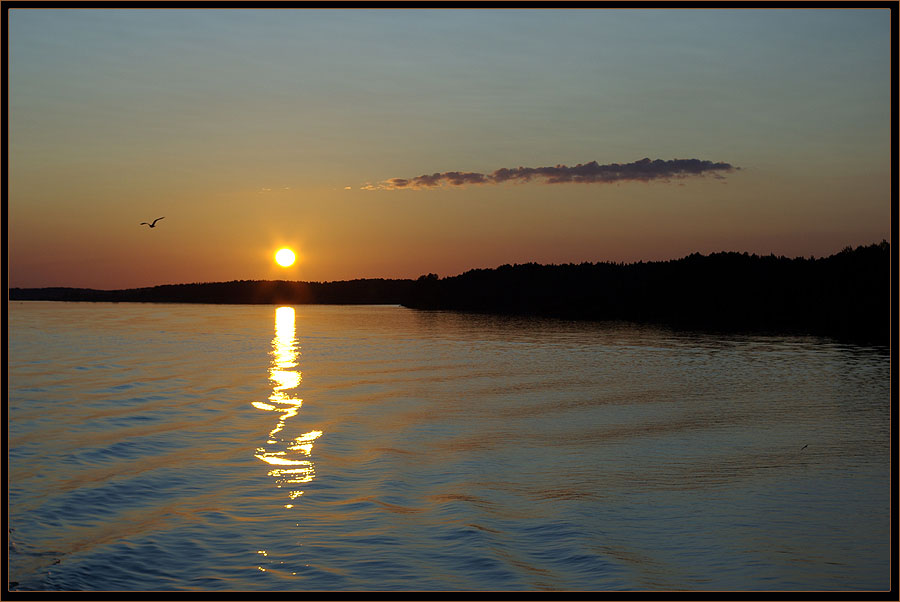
(391, 143)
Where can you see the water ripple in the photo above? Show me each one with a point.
(208, 448)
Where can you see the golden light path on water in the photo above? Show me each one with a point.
(289, 456)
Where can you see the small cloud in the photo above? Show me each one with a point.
(644, 170)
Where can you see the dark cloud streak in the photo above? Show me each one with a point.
(644, 170)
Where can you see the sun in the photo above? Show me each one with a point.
(284, 257)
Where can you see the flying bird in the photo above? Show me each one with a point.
(153, 225)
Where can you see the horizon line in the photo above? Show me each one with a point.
(617, 263)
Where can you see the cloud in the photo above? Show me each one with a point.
(644, 170)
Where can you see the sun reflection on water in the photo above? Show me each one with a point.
(286, 451)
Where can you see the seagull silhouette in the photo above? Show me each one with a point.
(153, 225)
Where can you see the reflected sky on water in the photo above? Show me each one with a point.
(255, 448)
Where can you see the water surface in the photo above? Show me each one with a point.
(207, 447)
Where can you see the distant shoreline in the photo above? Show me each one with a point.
(846, 295)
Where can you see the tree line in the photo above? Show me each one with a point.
(362, 291)
(847, 294)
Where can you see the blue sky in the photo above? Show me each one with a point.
(251, 129)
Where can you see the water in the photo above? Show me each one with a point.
(204, 447)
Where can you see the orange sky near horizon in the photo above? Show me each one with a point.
(250, 143)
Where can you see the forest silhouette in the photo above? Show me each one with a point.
(846, 295)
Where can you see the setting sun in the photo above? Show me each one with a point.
(284, 257)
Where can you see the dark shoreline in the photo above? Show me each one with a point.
(846, 295)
